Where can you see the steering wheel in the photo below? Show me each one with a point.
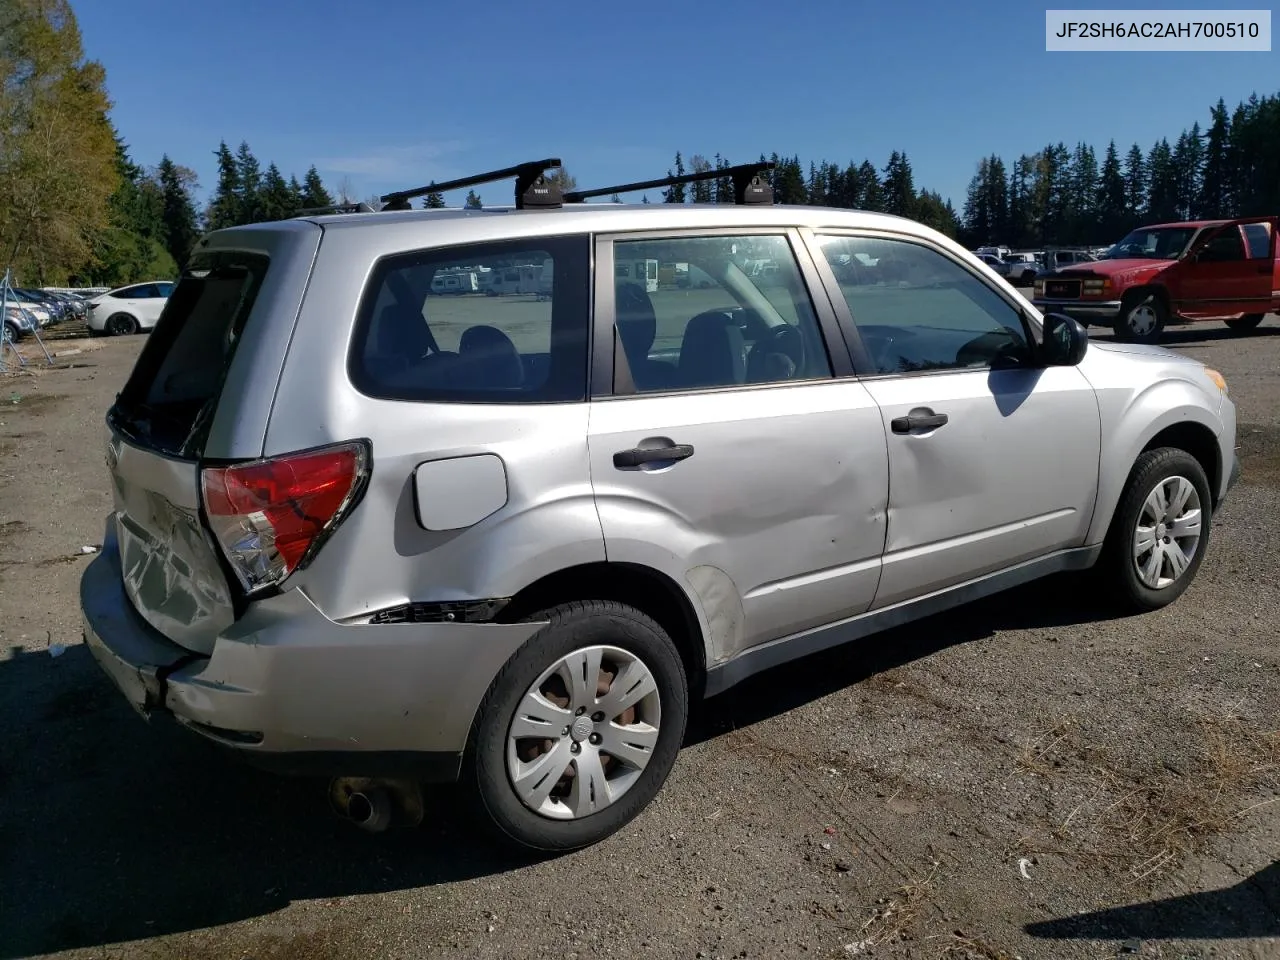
(787, 340)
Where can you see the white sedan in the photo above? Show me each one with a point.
(129, 309)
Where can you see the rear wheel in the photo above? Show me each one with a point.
(1159, 532)
(1141, 319)
(121, 325)
(1250, 321)
(580, 729)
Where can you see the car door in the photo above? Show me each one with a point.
(731, 447)
(992, 460)
(150, 302)
(157, 297)
(1227, 271)
(133, 301)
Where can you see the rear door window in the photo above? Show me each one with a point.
(169, 400)
(503, 322)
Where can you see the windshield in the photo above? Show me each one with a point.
(1152, 243)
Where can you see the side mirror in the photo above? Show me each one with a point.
(1065, 341)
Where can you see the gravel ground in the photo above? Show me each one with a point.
(1025, 777)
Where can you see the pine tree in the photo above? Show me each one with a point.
(1112, 220)
(224, 207)
(275, 199)
(1082, 211)
(1021, 206)
(129, 248)
(473, 200)
(899, 186)
(869, 187)
(314, 193)
(1188, 166)
(700, 190)
(723, 185)
(433, 201)
(675, 192)
(1214, 198)
(1135, 187)
(249, 192)
(181, 230)
(1162, 189)
(295, 194)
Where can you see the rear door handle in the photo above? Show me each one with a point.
(638, 455)
(920, 422)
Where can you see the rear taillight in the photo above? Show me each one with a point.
(271, 516)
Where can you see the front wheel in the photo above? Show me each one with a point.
(580, 729)
(1141, 319)
(1159, 532)
(1250, 321)
(15, 334)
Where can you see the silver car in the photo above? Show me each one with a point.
(373, 530)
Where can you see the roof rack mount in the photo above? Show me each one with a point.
(355, 207)
(748, 186)
(533, 189)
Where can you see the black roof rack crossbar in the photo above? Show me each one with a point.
(532, 187)
(360, 207)
(748, 186)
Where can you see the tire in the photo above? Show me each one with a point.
(1121, 557)
(1250, 321)
(1141, 319)
(121, 325)
(628, 636)
(15, 334)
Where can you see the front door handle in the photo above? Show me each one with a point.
(920, 422)
(638, 455)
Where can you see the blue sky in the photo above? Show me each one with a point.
(396, 93)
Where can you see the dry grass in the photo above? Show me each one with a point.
(895, 917)
(1148, 817)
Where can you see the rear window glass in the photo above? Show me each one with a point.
(170, 398)
(487, 323)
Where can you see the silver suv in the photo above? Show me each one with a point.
(492, 495)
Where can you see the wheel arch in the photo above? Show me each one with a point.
(648, 590)
(1184, 428)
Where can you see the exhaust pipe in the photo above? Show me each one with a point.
(370, 809)
(374, 805)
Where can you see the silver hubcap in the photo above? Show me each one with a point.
(1168, 532)
(1142, 319)
(583, 733)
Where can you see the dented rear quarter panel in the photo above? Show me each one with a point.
(380, 556)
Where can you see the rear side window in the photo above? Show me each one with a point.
(171, 396)
(1259, 237)
(498, 322)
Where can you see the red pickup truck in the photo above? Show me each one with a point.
(1172, 273)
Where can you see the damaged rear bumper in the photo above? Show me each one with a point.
(289, 689)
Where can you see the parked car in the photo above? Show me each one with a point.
(1173, 273)
(1051, 260)
(370, 532)
(19, 321)
(41, 311)
(76, 307)
(130, 309)
(995, 263)
(1021, 268)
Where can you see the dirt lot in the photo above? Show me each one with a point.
(1025, 777)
